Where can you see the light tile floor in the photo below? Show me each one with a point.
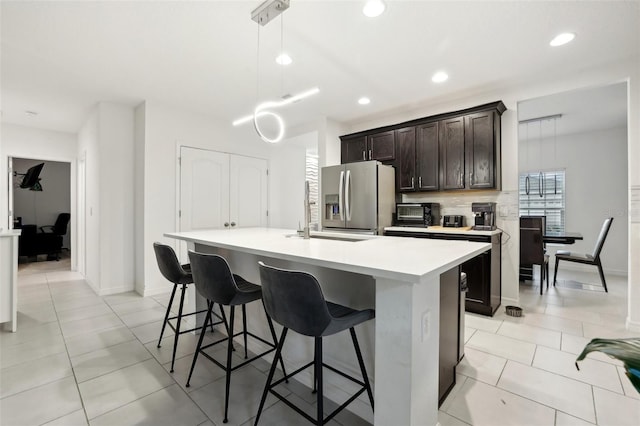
(79, 359)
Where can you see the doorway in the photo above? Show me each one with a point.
(573, 167)
(40, 200)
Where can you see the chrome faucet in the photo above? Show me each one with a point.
(307, 212)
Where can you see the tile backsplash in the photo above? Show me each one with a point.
(458, 203)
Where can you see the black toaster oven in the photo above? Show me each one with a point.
(417, 214)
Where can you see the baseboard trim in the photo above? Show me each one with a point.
(509, 301)
(154, 291)
(114, 290)
(632, 325)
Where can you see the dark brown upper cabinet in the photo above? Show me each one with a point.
(451, 138)
(457, 150)
(417, 160)
(378, 146)
(406, 159)
(481, 145)
(428, 157)
(353, 149)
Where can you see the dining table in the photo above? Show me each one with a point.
(561, 237)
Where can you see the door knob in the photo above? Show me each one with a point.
(226, 224)
(233, 224)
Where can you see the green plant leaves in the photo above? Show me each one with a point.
(625, 350)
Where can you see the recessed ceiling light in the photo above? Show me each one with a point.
(439, 77)
(31, 113)
(373, 8)
(284, 59)
(364, 101)
(561, 39)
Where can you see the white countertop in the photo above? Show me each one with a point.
(398, 258)
(10, 232)
(441, 230)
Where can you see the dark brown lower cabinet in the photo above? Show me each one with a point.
(449, 331)
(484, 276)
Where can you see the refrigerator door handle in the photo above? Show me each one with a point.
(341, 196)
(347, 195)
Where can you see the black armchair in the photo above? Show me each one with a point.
(32, 243)
(587, 259)
(58, 228)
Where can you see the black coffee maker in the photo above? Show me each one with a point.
(484, 216)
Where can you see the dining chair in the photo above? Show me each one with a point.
(532, 246)
(587, 259)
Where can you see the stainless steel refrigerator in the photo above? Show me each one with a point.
(357, 197)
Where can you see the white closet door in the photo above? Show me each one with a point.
(248, 191)
(204, 189)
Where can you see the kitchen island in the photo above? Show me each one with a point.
(400, 277)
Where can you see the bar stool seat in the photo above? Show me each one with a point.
(294, 300)
(179, 275)
(215, 281)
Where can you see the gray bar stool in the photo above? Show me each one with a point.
(215, 282)
(179, 275)
(294, 300)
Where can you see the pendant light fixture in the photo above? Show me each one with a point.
(263, 14)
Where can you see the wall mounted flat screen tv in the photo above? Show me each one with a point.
(31, 177)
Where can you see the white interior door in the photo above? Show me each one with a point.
(204, 191)
(248, 191)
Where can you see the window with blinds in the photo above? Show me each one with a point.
(311, 172)
(543, 194)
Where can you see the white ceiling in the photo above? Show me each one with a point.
(60, 58)
(580, 111)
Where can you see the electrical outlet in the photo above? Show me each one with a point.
(426, 325)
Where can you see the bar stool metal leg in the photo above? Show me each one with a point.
(275, 342)
(166, 316)
(195, 355)
(228, 378)
(318, 373)
(365, 378)
(272, 370)
(175, 340)
(244, 328)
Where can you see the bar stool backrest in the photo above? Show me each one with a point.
(213, 278)
(294, 300)
(169, 266)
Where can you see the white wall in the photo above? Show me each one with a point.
(107, 139)
(27, 142)
(42, 208)
(596, 188)
(607, 74)
(165, 129)
(88, 146)
(287, 172)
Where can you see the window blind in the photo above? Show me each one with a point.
(542, 193)
(311, 173)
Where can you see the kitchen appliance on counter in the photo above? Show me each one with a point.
(357, 197)
(453, 221)
(484, 216)
(417, 214)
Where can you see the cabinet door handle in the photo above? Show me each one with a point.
(233, 224)
(364, 155)
(369, 154)
(420, 182)
(226, 224)
(471, 178)
(461, 177)
(412, 183)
